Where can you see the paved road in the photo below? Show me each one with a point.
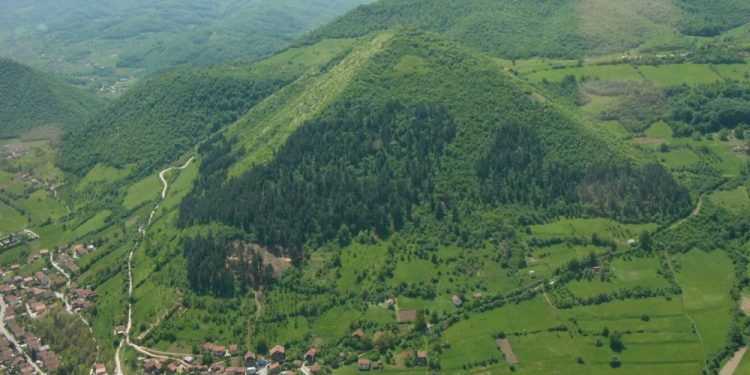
(12, 339)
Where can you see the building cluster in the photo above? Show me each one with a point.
(249, 363)
(32, 296)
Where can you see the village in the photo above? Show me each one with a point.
(26, 297)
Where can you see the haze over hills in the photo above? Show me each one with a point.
(32, 99)
(109, 40)
(420, 187)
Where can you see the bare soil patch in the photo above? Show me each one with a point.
(745, 305)
(510, 357)
(407, 316)
(733, 363)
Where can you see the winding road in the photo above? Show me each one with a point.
(137, 348)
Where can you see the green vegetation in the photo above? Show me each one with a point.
(591, 216)
(112, 44)
(68, 336)
(562, 29)
(35, 101)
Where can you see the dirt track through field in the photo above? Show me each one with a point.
(510, 357)
(733, 363)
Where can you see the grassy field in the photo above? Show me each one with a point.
(540, 350)
(663, 75)
(736, 200)
(639, 272)
(706, 279)
(143, 191)
(586, 227)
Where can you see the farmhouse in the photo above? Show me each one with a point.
(275, 368)
(310, 355)
(152, 367)
(359, 333)
(100, 369)
(421, 358)
(277, 354)
(250, 359)
(363, 365)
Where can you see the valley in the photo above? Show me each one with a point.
(404, 198)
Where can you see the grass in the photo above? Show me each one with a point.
(587, 227)
(659, 130)
(736, 200)
(706, 279)
(102, 174)
(11, 221)
(267, 125)
(334, 323)
(143, 191)
(93, 224)
(627, 274)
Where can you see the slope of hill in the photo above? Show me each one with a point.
(161, 118)
(32, 99)
(109, 40)
(562, 29)
(419, 127)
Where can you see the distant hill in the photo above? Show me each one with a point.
(161, 118)
(111, 39)
(562, 29)
(32, 99)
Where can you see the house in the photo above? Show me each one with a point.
(12, 300)
(120, 330)
(217, 368)
(421, 358)
(38, 308)
(219, 351)
(297, 363)
(172, 368)
(390, 303)
(208, 347)
(7, 289)
(275, 368)
(315, 369)
(363, 365)
(278, 353)
(250, 359)
(233, 349)
(99, 369)
(152, 367)
(310, 355)
(234, 371)
(457, 300)
(50, 361)
(359, 333)
(44, 252)
(375, 365)
(41, 278)
(632, 242)
(79, 250)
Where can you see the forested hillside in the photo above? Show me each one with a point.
(32, 99)
(425, 126)
(562, 29)
(108, 40)
(161, 118)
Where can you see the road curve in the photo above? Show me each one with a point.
(139, 349)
